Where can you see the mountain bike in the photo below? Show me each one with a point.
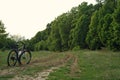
(19, 54)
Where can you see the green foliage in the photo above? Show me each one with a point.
(64, 29)
(106, 25)
(79, 32)
(39, 38)
(109, 6)
(2, 28)
(106, 29)
(114, 43)
(76, 48)
(3, 35)
(87, 26)
(92, 38)
(5, 42)
(40, 45)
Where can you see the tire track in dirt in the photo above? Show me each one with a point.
(6, 70)
(74, 68)
(39, 76)
(43, 75)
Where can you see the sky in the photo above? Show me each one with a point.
(27, 17)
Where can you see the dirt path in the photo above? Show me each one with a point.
(42, 75)
(39, 76)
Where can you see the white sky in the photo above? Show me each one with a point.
(27, 17)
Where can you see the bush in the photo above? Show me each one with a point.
(76, 48)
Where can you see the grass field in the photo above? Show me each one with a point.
(73, 65)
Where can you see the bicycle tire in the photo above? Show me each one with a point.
(25, 57)
(12, 58)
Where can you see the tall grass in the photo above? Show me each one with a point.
(93, 65)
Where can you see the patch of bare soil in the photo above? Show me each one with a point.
(74, 67)
(38, 76)
(46, 62)
(6, 72)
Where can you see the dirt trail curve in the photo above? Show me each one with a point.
(44, 74)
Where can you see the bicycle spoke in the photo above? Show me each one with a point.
(12, 58)
(25, 58)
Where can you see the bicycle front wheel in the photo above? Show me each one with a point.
(25, 57)
(12, 58)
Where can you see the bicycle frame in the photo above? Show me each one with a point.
(17, 54)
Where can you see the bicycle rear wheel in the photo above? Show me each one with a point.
(12, 58)
(25, 57)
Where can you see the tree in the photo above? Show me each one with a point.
(105, 20)
(64, 26)
(39, 38)
(114, 43)
(40, 45)
(3, 35)
(79, 32)
(92, 38)
(84, 26)
(105, 31)
(99, 4)
(54, 40)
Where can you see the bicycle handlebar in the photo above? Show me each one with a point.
(21, 43)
